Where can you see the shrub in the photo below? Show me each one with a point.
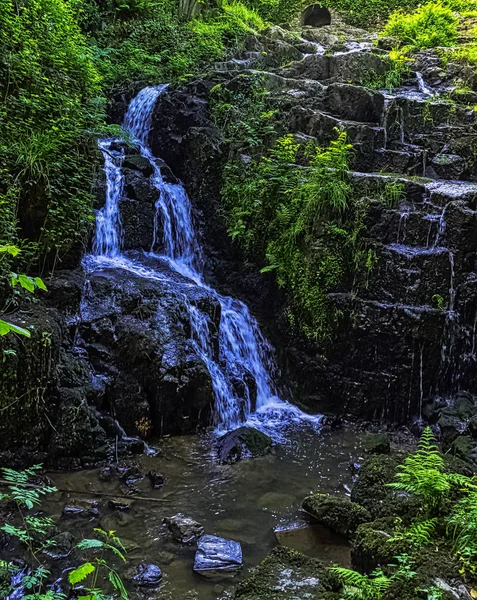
(429, 26)
(291, 208)
(49, 113)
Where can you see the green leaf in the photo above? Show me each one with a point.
(12, 250)
(118, 585)
(26, 282)
(6, 328)
(40, 284)
(81, 573)
(89, 544)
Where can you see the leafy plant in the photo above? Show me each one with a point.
(422, 474)
(418, 535)
(89, 573)
(30, 284)
(375, 585)
(429, 26)
(34, 534)
(462, 529)
(362, 587)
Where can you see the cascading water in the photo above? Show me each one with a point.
(241, 380)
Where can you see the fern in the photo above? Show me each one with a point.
(81, 573)
(422, 474)
(417, 535)
(362, 587)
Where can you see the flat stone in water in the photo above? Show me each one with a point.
(217, 556)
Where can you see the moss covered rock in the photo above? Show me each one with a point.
(370, 489)
(371, 545)
(337, 513)
(244, 442)
(283, 575)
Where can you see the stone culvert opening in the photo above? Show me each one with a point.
(316, 16)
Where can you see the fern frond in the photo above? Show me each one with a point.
(81, 573)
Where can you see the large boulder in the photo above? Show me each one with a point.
(245, 442)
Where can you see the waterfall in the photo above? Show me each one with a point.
(241, 374)
(423, 87)
(108, 219)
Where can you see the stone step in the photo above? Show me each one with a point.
(407, 162)
(406, 225)
(322, 125)
(349, 67)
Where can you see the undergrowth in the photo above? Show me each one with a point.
(291, 209)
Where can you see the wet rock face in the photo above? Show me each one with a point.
(217, 556)
(136, 333)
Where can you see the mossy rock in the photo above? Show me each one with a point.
(462, 447)
(371, 545)
(337, 513)
(245, 442)
(283, 575)
(377, 443)
(370, 489)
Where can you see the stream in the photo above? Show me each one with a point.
(245, 502)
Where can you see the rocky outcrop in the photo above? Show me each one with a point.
(408, 336)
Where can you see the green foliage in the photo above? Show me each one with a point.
(49, 110)
(438, 302)
(29, 284)
(429, 26)
(374, 586)
(422, 474)
(33, 533)
(300, 219)
(462, 529)
(369, 13)
(276, 11)
(89, 573)
(362, 587)
(418, 535)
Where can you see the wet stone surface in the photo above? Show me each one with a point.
(216, 557)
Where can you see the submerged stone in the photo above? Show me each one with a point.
(217, 556)
(146, 575)
(245, 442)
(339, 514)
(183, 528)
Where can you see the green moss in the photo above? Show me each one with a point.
(337, 513)
(377, 443)
(282, 573)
